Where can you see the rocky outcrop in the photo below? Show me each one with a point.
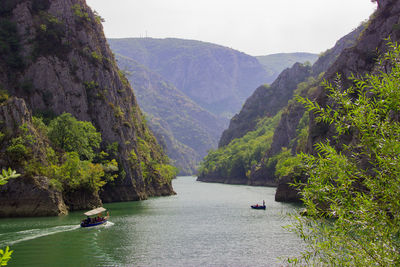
(59, 61)
(30, 196)
(27, 195)
(217, 78)
(265, 101)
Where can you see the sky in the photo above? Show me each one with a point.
(255, 27)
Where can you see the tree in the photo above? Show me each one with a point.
(352, 194)
(69, 134)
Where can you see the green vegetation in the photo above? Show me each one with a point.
(238, 158)
(50, 34)
(5, 256)
(72, 135)
(71, 160)
(352, 193)
(80, 13)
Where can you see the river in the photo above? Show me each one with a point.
(203, 225)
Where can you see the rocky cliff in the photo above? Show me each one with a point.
(217, 78)
(55, 57)
(358, 60)
(265, 101)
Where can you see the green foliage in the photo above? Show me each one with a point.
(75, 173)
(50, 33)
(6, 175)
(69, 134)
(166, 171)
(3, 96)
(286, 163)
(80, 13)
(96, 58)
(5, 256)
(19, 147)
(237, 158)
(352, 195)
(91, 86)
(98, 18)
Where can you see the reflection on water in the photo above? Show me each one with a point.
(203, 225)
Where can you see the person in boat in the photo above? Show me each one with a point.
(263, 202)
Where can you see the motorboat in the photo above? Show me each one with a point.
(94, 217)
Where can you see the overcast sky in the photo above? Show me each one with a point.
(256, 27)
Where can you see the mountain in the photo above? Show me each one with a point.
(265, 101)
(274, 64)
(188, 130)
(271, 127)
(54, 59)
(217, 78)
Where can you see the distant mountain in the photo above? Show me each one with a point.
(274, 64)
(187, 130)
(271, 127)
(217, 78)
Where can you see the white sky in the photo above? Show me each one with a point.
(256, 27)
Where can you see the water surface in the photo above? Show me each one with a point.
(203, 225)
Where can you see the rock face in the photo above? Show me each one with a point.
(57, 60)
(361, 58)
(217, 78)
(188, 130)
(265, 101)
(26, 195)
(358, 60)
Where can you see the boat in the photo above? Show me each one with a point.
(97, 220)
(259, 207)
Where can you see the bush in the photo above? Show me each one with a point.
(352, 196)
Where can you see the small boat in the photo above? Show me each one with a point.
(259, 207)
(97, 220)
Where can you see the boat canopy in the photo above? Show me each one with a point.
(95, 211)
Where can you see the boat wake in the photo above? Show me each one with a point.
(20, 236)
(108, 224)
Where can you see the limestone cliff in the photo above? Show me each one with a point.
(55, 56)
(265, 101)
(358, 60)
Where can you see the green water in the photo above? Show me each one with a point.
(203, 225)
